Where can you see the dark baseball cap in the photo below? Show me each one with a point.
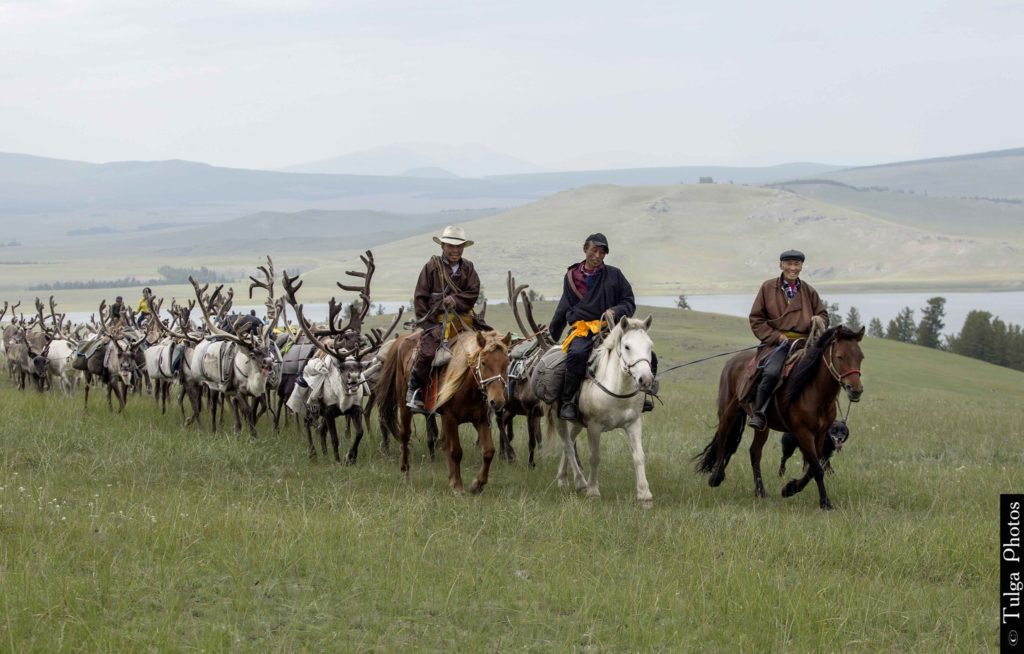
(599, 239)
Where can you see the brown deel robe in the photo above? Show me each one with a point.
(772, 315)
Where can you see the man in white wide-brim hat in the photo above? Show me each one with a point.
(446, 291)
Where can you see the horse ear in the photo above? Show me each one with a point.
(508, 339)
(860, 334)
(647, 323)
(480, 340)
(623, 323)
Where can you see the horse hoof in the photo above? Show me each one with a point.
(647, 504)
(789, 489)
(476, 488)
(826, 505)
(716, 480)
(459, 491)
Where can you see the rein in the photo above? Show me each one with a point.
(713, 356)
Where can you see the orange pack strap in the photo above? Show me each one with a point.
(582, 328)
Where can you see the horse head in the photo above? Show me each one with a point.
(490, 369)
(633, 345)
(843, 358)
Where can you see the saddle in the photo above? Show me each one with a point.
(754, 369)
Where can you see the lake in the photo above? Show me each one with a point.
(1008, 306)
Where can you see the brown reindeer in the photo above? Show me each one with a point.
(522, 401)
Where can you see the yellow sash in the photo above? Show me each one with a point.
(582, 328)
(794, 335)
(455, 323)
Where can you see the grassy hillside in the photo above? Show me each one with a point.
(951, 216)
(997, 174)
(705, 238)
(129, 532)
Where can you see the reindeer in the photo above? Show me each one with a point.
(115, 366)
(235, 366)
(522, 401)
(59, 351)
(159, 355)
(337, 372)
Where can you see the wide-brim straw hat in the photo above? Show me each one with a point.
(453, 235)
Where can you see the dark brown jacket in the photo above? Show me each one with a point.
(430, 288)
(772, 315)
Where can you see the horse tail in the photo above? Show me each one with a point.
(731, 420)
(386, 392)
(728, 436)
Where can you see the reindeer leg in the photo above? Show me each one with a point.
(357, 419)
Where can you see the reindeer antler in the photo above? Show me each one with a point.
(268, 285)
(57, 324)
(212, 328)
(355, 320)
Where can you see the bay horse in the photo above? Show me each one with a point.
(612, 398)
(472, 388)
(804, 405)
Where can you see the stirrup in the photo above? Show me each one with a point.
(413, 401)
(757, 421)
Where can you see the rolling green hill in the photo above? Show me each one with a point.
(998, 174)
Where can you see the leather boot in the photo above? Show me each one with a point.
(570, 387)
(758, 420)
(414, 396)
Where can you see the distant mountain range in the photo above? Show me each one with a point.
(30, 184)
(468, 160)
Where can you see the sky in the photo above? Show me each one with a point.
(267, 84)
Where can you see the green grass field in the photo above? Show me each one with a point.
(130, 533)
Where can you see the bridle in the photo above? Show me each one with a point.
(832, 367)
(478, 374)
(626, 368)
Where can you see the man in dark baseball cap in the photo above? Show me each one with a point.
(589, 290)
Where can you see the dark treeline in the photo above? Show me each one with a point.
(170, 275)
(983, 336)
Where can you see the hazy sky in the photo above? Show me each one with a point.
(267, 83)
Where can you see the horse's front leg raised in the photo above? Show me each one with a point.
(483, 431)
(813, 469)
(634, 432)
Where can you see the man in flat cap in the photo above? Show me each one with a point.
(782, 312)
(446, 291)
(589, 290)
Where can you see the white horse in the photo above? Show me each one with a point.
(612, 398)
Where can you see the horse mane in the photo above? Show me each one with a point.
(465, 351)
(806, 369)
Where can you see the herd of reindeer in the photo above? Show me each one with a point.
(346, 369)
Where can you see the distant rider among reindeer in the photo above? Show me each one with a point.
(446, 291)
(590, 290)
(782, 312)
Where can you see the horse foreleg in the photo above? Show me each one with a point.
(483, 431)
(756, 446)
(634, 431)
(594, 438)
(813, 470)
(453, 451)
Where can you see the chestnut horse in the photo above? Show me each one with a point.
(804, 405)
(472, 387)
